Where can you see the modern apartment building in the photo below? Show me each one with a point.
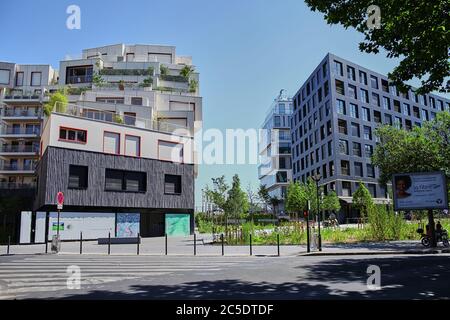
(121, 150)
(275, 170)
(335, 115)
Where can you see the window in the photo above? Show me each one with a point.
(78, 177)
(79, 74)
(424, 115)
(370, 170)
(416, 112)
(36, 78)
(357, 149)
(372, 189)
(406, 109)
(338, 68)
(340, 87)
(132, 146)
(172, 184)
(386, 103)
(342, 126)
(354, 111)
(355, 129)
(388, 119)
(398, 122)
(346, 189)
(170, 151)
(4, 76)
(343, 147)
(324, 70)
(325, 88)
(365, 114)
(345, 168)
(362, 77)
(19, 79)
(368, 150)
(374, 82)
(352, 91)
(375, 99)
(130, 181)
(364, 95)
(277, 121)
(377, 116)
(351, 73)
(340, 106)
(358, 169)
(331, 168)
(136, 101)
(111, 142)
(385, 85)
(72, 135)
(367, 133)
(397, 107)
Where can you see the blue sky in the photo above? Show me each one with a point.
(245, 51)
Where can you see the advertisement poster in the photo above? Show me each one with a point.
(55, 226)
(417, 191)
(128, 225)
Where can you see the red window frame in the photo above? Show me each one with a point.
(105, 131)
(73, 129)
(125, 146)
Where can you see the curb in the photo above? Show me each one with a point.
(374, 253)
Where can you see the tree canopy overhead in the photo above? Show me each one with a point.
(418, 32)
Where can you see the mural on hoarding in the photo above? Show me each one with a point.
(177, 224)
(128, 225)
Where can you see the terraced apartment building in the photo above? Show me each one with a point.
(121, 149)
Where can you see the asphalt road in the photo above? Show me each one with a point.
(182, 277)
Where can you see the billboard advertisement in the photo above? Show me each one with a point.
(420, 191)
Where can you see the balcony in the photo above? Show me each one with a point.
(117, 118)
(11, 132)
(21, 114)
(17, 186)
(15, 150)
(79, 79)
(17, 169)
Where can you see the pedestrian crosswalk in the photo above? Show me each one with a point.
(46, 273)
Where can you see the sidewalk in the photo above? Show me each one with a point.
(185, 246)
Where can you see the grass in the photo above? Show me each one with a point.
(295, 233)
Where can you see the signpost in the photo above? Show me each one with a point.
(421, 191)
(59, 206)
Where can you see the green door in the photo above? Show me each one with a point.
(178, 224)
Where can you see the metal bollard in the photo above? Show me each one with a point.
(46, 245)
(221, 238)
(81, 242)
(166, 244)
(9, 243)
(195, 244)
(109, 243)
(278, 243)
(138, 242)
(251, 251)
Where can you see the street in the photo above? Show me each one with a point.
(231, 277)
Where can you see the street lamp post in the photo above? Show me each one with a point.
(317, 178)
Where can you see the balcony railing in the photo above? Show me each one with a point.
(11, 149)
(79, 79)
(16, 167)
(16, 185)
(20, 131)
(116, 118)
(22, 96)
(21, 113)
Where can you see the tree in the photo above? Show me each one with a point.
(252, 197)
(406, 151)
(218, 193)
(296, 199)
(58, 100)
(163, 70)
(362, 200)
(331, 202)
(264, 196)
(237, 203)
(418, 32)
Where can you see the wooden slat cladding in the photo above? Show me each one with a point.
(54, 176)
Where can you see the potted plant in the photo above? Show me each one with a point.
(121, 85)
